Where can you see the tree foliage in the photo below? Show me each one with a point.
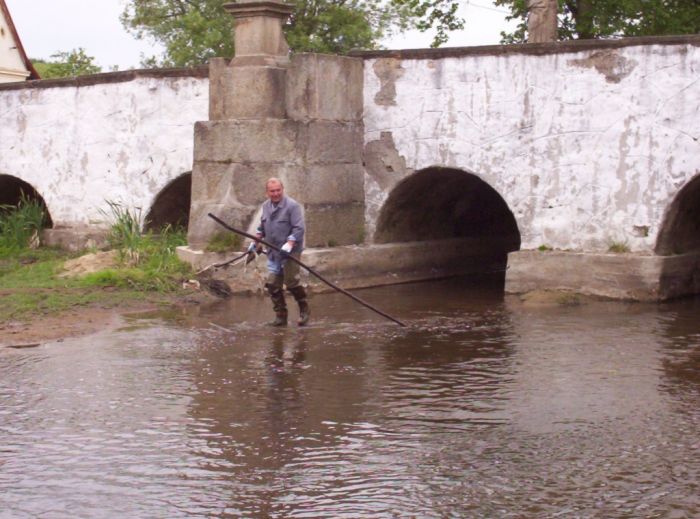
(192, 31)
(66, 64)
(585, 19)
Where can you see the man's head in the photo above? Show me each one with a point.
(274, 190)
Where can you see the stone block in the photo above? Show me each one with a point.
(616, 276)
(249, 181)
(269, 140)
(321, 86)
(219, 74)
(260, 34)
(202, 228)
(212, 182)
(334, 224)
(254, 93)
(328, 183)
(75, 238)
(333, 142)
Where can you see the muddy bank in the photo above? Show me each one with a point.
(84, 320)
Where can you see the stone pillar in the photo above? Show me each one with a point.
(269, 116)
(542, 21)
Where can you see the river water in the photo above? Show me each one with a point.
(482, 407)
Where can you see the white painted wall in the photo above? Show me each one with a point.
(581, 160)
(11, 65)
(81, 145)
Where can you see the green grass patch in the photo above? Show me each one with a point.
(33, 269)
(544, 248)
(148, 267)
(618, 247)
(19, 305)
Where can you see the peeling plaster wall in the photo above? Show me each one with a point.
(588, 144)
(79, 145)
(587, 147)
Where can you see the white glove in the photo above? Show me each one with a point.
(286, 248)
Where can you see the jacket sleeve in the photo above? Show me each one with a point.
(296, 220)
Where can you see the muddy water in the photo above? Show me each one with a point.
(482, 407)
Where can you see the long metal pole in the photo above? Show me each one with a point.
(312, 271)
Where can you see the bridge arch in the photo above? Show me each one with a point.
(680, 230)
(172, 205)
(12, 189)
(439, 203)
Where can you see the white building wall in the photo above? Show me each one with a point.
(80, 146)
(587, 148)
(11, 65)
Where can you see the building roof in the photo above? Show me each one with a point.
(13, 30)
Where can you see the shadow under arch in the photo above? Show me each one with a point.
(11, 191)
(472, 227)
(680, 230)
(172, 205)
(440, 203)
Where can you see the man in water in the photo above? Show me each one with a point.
(282, 225)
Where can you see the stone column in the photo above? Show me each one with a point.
(299, 120)
(542, 21)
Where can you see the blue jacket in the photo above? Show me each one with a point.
(282, 223)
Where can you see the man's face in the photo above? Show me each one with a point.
(275, 191)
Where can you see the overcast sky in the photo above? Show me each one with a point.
(49, 26)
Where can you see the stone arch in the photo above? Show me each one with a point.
(172, 205)
(11, 191)
(440, 203)
(680, 230)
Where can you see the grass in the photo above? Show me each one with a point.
(618, 247)
(148, 266)
(544, 248)
(19, 224)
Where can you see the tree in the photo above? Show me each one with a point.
(585, 19)
(66, 64)
(192, 31)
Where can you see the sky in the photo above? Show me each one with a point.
(50, 26)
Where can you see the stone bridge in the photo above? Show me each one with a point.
(410, 164)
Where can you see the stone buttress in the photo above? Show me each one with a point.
(298, 119)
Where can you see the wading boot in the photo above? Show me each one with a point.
(299, 294)
(279, 305)
(280, 319)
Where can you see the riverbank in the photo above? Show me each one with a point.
(79, 312)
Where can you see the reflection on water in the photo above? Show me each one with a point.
(482, 407)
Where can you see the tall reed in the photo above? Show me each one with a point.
(20, 223)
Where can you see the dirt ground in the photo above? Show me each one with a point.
(82, 320)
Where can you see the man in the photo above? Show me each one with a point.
(282, 225)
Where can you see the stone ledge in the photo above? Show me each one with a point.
(630, 276)
(534, 49)
(75, 238)
(362, 266)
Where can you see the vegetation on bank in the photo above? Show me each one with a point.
(30, 283)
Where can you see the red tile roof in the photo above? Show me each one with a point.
(23, 55)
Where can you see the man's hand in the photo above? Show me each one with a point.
(287, 248)
(255, 247)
